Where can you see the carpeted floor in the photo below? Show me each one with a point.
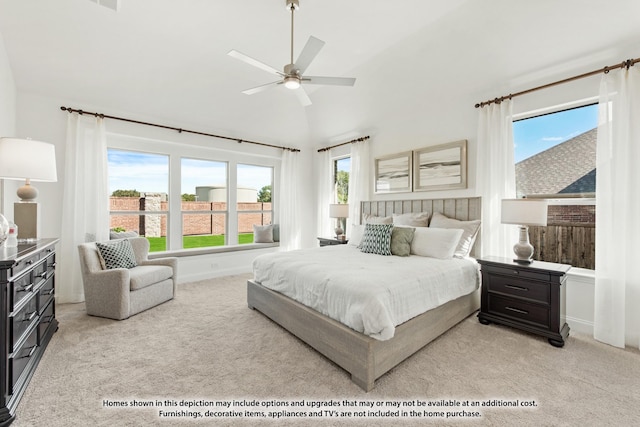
(206, 348)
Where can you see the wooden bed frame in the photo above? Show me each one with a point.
(366, 358)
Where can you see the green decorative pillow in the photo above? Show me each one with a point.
(376, 239)
(117, 254)
(401, 238)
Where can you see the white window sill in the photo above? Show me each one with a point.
(213, 250)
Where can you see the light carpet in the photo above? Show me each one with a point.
(207, 346)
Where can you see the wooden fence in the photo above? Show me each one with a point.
(573, 244)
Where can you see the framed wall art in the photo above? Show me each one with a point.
(440, 167)
(393, 173)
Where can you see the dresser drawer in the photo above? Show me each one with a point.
(519, 273)
(19, 289)
(519, 288)
(21, 358)
(523, 311)
(21, 320)
(39, 273)
(26, 263)
(46, 293)
(46, 319)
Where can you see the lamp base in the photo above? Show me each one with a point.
(26, 215)
(523, 249)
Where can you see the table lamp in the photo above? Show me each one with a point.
(339, 211)
(524, 212)
(32, 161)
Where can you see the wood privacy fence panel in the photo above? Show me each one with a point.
(566, 244)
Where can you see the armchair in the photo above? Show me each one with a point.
(120, 293)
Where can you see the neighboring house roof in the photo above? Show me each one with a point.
(569, 167)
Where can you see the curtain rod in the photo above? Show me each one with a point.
(624, 64)
(362, 138)
(180, 130)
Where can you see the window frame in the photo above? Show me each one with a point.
(200, 148)
(565, 198)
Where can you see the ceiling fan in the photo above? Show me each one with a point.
(292, 77)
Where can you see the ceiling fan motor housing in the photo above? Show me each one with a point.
(295, 4)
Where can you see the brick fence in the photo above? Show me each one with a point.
(193, 224)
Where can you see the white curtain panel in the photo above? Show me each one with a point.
(290, 212)
(85, 203)
(325, 190)
(617, 292)
(359, 181)
(496, 176)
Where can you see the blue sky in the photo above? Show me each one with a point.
(537, 134)
(130, 170)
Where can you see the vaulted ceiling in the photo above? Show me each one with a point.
(167, 59)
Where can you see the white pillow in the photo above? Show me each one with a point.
(372, 219)
(356, 231)
(263, 233)
(435, 242)
(469, 234)
(412, 219)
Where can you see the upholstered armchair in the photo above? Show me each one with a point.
(119, 293)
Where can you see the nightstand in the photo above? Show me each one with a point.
(326, 241)
(530, 297)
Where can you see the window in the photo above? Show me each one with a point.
(182, 196)
(204, 203)
(341, 170)
(555, 157)
(138, 184)
(254, 199)
(555, 153)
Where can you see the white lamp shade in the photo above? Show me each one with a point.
(27, 159)
(338, 210)
(524, 212)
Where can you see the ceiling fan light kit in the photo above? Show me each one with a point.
(292, 77)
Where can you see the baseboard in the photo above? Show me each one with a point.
(580, 325)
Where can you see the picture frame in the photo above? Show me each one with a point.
(393, 173)
(440, 167)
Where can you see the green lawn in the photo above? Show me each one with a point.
(159, 244)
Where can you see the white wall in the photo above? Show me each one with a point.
(7, 120)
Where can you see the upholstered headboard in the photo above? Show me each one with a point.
(463, 208)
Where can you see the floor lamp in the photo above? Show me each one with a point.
(32, 161)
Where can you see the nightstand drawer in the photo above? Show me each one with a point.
(533, 314)
(516, 287)
(520, 273)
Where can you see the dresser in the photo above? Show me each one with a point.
(530, 297)
(28, 319)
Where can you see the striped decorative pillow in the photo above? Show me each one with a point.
(376, 239)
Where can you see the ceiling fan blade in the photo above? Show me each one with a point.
(309, 52)
(303, 97)
(249, 60)
(335, 81)
(260, 88)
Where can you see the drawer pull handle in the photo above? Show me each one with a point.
(43, 274)
(53, 265)
(30, 316)
(33, 350)
(49, 292)
(47, 319)
(517, 310)
(29, 262)
(519, 288)
(25, 288)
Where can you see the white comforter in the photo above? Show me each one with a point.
(371, 294)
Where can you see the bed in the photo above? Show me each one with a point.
(366, 357)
